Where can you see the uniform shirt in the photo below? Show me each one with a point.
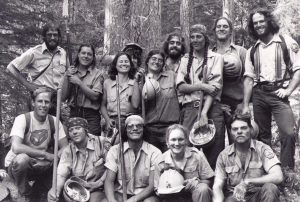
(214, 74)
(93, 79)
(137, 168)
(233, 87)
(164, 108)
(260, 160)
(38, 136)
(125, 97)
(172, 67)
(267, 59)
(79, 163)
(195, 165)
(36, 59)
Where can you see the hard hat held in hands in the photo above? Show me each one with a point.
(151, 88)
(203, 136)
(170, 182)
(74, 190)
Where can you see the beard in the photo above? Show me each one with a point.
(174, 54)
(50, 45)
(264, 34)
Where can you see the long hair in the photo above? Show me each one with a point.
(223, 18)
(150, 54)
(187, 78)
(166, 43)
(270, 19)
(76, 62)
(50, 26)
(112, 72)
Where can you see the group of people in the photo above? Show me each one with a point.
(158, 105)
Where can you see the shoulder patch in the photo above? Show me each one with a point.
(268, 153)
(295, 47)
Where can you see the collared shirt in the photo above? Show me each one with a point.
(93, 79)
(137, 168)
(125, 97)
(267, 55)
(36, 59)
(260, 159)
(164, 108)
(233, 87)
(172, 66)
(194, 164)
(214, 74)
(79, 163)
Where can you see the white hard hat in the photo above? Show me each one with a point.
(170, 182)
(150, 89)
(203, 136)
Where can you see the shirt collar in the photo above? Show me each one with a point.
(89, 146)
(232, 45)
(275, 39)
(130, 82)
(232, 147)
(187, 154)
(144, 147)
(44, 48)
(210, 54)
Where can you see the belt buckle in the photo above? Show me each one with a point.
(196, 104)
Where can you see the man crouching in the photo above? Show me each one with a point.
(83, 158)
(248, 170)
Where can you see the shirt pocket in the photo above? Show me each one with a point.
(168, 90)
(233, 175)
(255, 169)
(191, 171)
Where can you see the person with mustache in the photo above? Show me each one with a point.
(233, 70)
(44, 64)
(271, 75)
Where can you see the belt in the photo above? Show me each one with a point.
(269, 86)
(194, 104)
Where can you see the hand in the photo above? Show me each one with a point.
(283, 93)
(191, 184)
(203, 120)
(239, 109)
(239, 191)
(92, 186)
(230, 69)
(52, 197)
(246, 110)
(49, 156)
(110, 123)
(72, 70)
(3, 174)
(210, 89)
(140, 75)
(226, 108)
(74, 79)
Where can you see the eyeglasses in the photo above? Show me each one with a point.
(155, 59)
(137, 126)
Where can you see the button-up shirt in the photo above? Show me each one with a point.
(125, 97)
(260, 159)
(267, 56)
(80, 163)
(214, 74)
(36, 59)
(137, 168)
(164, 108)
(194, 164)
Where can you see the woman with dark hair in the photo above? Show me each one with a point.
(162, 107)
(85, 88)
(122, 67)
(190, 83)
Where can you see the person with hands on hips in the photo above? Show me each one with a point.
(84, 158)
(190, 162)
(247, 170)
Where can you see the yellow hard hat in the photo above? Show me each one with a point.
(170, 182)
(150, 89)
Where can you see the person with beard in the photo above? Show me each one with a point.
(190, 83)
(42, 65)
(233, 70)
(174, 48)
(267, 79)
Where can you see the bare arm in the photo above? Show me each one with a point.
(190, 88)
(62, 143)
(248, 86)
(218, 195)
(282, 93)
(274, 176)
(136, 96)
(109, 185)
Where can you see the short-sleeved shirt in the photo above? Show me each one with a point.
(137, 168)
(126, 92)
(164, 108)
(259, 161)
(214, 74)
(36, 59)
(76, 162)
(233, 87)
(93, 79)
(38, 136)
(195, 165)
(267, 55)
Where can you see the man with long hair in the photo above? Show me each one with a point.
(271, 75)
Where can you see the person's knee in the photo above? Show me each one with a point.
(270, 189)
(20, 161)
(151, 199)
(203, 188)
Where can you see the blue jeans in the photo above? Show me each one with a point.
(264, 105)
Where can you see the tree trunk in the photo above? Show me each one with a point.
(128, 21)
(186, 18)
(228, 9)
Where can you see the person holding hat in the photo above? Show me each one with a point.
(191, 83)
(84, 158)
(161, 108)
(189, 162)
(247, 170)
(139, 158)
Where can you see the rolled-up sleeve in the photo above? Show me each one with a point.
(182, 71)
(215, 76)
(112, 158)
(65, 163)
(23, 60)
(220, 172)
(97, 87)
